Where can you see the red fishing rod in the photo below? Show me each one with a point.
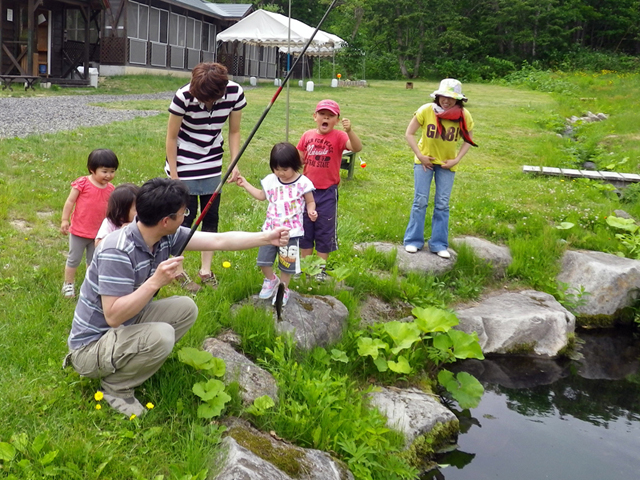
(232, 165)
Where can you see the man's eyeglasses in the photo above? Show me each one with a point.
(173, 216)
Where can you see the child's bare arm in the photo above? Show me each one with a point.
(67, 209)
(311, 206)
(256, 193)
(354, 144)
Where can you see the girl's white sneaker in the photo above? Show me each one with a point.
(410, 249)
(444, 254)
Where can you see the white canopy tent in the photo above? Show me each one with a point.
(288, 34)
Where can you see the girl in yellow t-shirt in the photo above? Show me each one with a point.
(443, 122)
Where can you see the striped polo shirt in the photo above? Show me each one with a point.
(200, 138)
(121, 263)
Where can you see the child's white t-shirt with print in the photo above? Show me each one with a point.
(286, 203)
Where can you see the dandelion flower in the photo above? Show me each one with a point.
(98, 396)
(226, 264)
(132, 417)
(98, 406)
(150, 405)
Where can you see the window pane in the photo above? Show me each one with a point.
(173, 29)
(164, 26)
(197, 35)
(190, 32)
(132, 19)
(143, 32)
(182, 30)
(205, 37)
(154, 24)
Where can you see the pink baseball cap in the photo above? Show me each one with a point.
(330, 105)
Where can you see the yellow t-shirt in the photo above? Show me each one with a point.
(443, 147)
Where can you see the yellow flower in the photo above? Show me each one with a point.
(98, 396)
(150, 405)
(226, 264)
(132, 417)
(98, 406)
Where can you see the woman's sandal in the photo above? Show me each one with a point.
(208, 279)
(188, 284)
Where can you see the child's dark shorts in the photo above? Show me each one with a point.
(323, 232)
(288, 257)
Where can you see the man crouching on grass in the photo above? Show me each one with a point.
(118, 334)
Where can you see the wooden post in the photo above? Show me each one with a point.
(2, 14)
(31, 11)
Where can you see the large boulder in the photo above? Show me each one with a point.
(518, 322)
(314, 320)
(499, 257)
(254, 381)
(411, 411)
(422, 261)
(248, 454)
(612, 284)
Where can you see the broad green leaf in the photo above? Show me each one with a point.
(39, 442)
(381, 363)
(565, 226)
(207, 391)
(370, 346)
(320, 355)
(339, 356)
(401, 366)
(340, 273)
(434, 319)
(49, 457)
(7, 452)
(403, 334)
(20, 441)
(202, 360)
(213, 407)
(465, 345)
(627, 224)
(264, 402)
(442, 341)
(465, 388)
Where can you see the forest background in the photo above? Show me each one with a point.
(473, 40)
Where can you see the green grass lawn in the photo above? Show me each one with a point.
(49, 415)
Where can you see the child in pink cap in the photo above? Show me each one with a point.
(321, 153)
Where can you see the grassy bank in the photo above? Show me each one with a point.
(51, 412)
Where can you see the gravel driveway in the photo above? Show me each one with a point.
(20, 117)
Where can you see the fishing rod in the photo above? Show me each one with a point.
(233, 164)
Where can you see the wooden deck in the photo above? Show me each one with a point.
(618, 179)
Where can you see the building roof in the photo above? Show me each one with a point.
(224, 11)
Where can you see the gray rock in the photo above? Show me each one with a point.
(588, 165)
(254, 381)
(497, 256)
(613, 282)
(374, 310)
(621, 214)
(313, 320)
(602, 116)
(240, 463)
(422, 261)
(510, 322)
(410, 411)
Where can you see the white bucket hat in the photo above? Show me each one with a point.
(450, 87)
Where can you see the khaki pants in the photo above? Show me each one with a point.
(128, 355)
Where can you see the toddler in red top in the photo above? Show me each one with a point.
(321, 153)
(88, 201)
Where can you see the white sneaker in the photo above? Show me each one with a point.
(410, 249)
(269, 287)
(443, 254)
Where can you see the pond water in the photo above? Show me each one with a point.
(540, 419)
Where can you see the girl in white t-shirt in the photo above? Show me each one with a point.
(288, 192)
(121, 210)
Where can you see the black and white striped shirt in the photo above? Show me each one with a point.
(200, 138)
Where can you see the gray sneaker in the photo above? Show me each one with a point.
(127, 406)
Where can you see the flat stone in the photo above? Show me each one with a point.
(499, 257)
(422, 261)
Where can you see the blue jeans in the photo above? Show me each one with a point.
(414, 235)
